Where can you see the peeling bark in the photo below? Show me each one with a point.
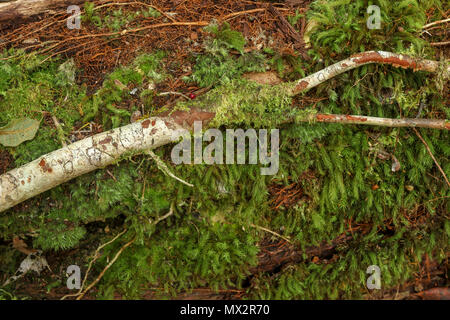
(360, 59)
(82, 157)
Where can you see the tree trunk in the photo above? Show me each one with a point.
(19, 10)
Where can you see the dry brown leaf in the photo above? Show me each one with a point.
(21, 246)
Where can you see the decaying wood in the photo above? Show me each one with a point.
(272, 258)
(103, 149)
(16, 11)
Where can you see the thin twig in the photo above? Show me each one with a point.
(437, 44)
(174, 93)
(60, 131)
(95, 257)
(432, 156)
(270, 231)
(235, 14)
(435, 23)
(440, 124)
(124, 32)
(126, 245)
(166, 215)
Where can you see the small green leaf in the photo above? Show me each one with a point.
(18, 131)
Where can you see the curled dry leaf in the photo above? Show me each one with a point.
(21, 246)
(310, 26)
(33, 262)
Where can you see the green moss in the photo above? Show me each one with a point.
(30, 86)
(340, 26)
(114, 19)
(209, 241)
(247, 103)
(114, 101)
(217, 66)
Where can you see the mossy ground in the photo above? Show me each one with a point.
(395, 218)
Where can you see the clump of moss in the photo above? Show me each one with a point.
(217, 66)
(340, 26)
(116, 98)
(30, 86)
(243, 102)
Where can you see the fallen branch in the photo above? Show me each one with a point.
(106, 148)
(360, 59)
(82, 157)
(376, 121)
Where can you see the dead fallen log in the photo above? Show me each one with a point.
(106, 148)
(19, 10)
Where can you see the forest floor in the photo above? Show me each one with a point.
(97, 56)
